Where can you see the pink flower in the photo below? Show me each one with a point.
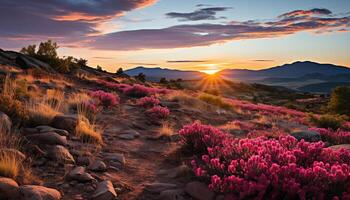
(158, 112)
(147, 102)
(105, 99)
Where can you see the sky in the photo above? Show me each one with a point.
(184, 34)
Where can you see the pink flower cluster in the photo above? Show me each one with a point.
(90, 106)
(334, 137)
(148, 102)
(267, 109)
(105, 99)
(135, 90)
(263, 168)
(158, 112)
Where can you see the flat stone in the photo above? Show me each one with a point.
(79, 175)
(35, 192)
(60, 153)
(97, 166)
(44, 128)
(50, 138)
(65, 122)
(104, 191)
(199, 191)
(159, 187)
(8, 188)
(116, 157)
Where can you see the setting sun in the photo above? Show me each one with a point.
(210, 71)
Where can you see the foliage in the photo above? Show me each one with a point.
(215, 100)
(158, 112)
(333, 137)
(87, 131)
(105, 99)
(47, 52)
(120, 71)
(141, 77)
(147, 102)
(328, 121)
(263, 168)
(339, 102)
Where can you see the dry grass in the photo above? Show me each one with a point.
(215, 100)
(165, 130)
(77, 99)
(186, 99)
(87, 131)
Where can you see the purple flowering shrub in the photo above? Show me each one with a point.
(262, 168)
(158, 113)
(105, 99)
(334, 137)
(148, 102)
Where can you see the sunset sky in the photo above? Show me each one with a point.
(183, 34)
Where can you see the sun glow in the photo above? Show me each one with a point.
(210, 71)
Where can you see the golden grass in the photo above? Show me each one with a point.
(165, 130)
(215, 100)
(41, 112)
(87, 131)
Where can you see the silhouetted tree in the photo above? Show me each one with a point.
(120, 71)
(99, 68)
(340, 100)
(141, 77)
(30, 50)
(163, 81)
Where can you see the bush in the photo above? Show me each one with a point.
(339, 102)
(333, 137)
(328, 121)
(148, 102)
(105, 99)
(158, 112)
(263, 168)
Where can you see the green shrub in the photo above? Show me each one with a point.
(328, 121)
(340, 100)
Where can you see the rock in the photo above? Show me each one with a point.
(199, 191)
(83, 160)
(179, 171)
(97, 166)
(65, 122)
(60, 153)
(309, 136)
(50, 138)
(116, 157)
(339, 146)
(159, 187)
(177, 194)
(43, 129)
(80, 175)
(35, 192)
(8, 188)
(5, 122)
(14, 152)
(104, 191)
(129, 135)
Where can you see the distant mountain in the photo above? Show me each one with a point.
(294, 70)
(155, 74)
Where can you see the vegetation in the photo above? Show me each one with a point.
(47, 52)
(215, 100)
(86, 130)
(339, 102)
(328, 121)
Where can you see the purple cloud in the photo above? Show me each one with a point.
(182, 36)
(201, 14)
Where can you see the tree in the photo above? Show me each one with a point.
(30, 50)
(99, 68)
(141, 77)
(81, 62)
(163, 81)
(120, 71)
(340, 100)
(48, 50)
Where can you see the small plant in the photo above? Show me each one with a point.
(158, 113)
(339, 102)
(42, 112)
(148, 102)
(165, 130)
(328, 121)
(105, 99)
(85, 130)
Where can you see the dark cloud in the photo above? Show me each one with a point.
(304, 13)
(185, 61)
(182, 36)
(30, 20)
(201, 14)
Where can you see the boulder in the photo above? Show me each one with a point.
(65, 122)
(97, 166)
(199, 191)
(116, 157)
(35, 192)
(79, 175)
(60, 153)
(50, 138)
(159, 187)
(129, 135)
(177, 194)
(308, 136)
(43, 129)
(104, 191)
(8, 188)
(5, 122)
